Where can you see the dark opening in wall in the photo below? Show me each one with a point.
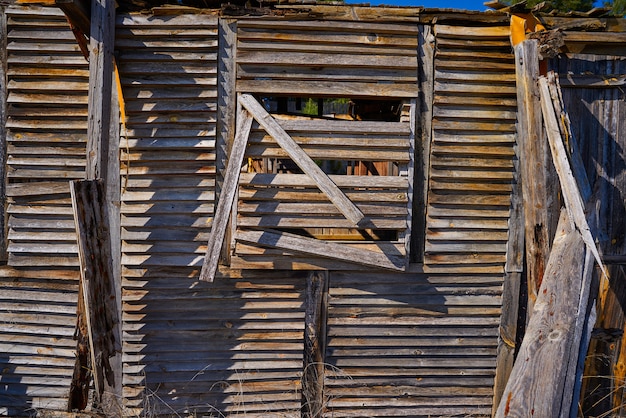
(336, 108)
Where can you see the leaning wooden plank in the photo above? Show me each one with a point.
(303, 161)
(537, 381)
(571, 194)
(229, 189)
(97, 286)
(303, 245)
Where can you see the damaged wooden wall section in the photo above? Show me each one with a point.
(405, 318)
(319, 210)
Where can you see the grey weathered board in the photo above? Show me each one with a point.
(167, 169)
(601, 143)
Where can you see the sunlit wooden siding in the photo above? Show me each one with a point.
(233, 346)
(325, 58)
(405, 344)
(46, 135)
(472, 153)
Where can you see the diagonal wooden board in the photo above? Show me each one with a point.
(571, 193)
(325, 184)
(318, 248)
(252, 109)
(227, 197)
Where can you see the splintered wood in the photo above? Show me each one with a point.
(97, 313)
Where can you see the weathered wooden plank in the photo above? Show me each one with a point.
(571, 193)
(338, 139)
(321, 221)
(98, 315)
(328, 127)
(328, 88)
(172, 23)
(359, 154)
(323, 37)
(535, 173)
(362, 75)
(326, 185)
(225, 203)
(102, 38)
(466, 32)
(545, 351)
(305, 209)
(3, 131)
(318, 248)
(331, 25)
(303, 180)
(350, 46)
(422, 140)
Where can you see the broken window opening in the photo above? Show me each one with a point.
(332, 148)
(343, 108)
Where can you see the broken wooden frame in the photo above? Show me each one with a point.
(556, 336)
(249, 108)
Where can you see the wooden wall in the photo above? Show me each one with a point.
(419, 342)
(168, 77)
(46, 134)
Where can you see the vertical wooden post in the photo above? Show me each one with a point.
(410, 173)
(226, 114)
(100, 86)
(316, 305)
(537, 175)
(423, 132)
(103, 164)
(3, 131)
(112, 197)
(513, 271)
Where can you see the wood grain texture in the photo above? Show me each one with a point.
(471, 154)
(99, 306)
(325, 249)
(536, 173)
(346, 59)
(44, 149)
(537, 380)
(227, 197)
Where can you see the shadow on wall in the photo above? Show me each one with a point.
(12, 391)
